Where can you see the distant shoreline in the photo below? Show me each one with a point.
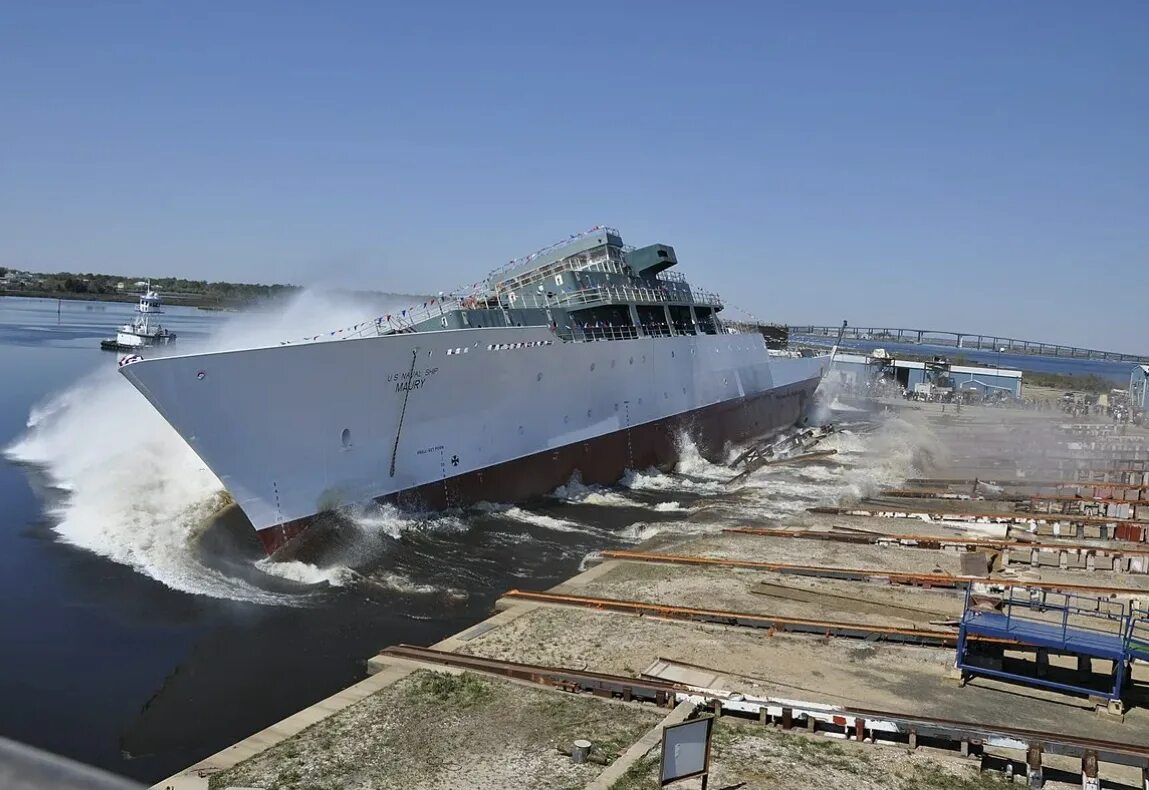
(126, 298)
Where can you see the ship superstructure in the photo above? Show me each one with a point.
(588, 357)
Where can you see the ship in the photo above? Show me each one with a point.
(587, 358)
(141, 332)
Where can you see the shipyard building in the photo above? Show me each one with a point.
(925, 378)
(1139, 388)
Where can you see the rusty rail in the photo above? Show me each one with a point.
(772, 623)
(870, 510)
(871, 574)
(597, 683)
(934, 541)
(1014, 483)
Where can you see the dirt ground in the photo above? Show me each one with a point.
(438, 731)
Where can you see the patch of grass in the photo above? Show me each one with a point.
(823, 752)
(643, 775)
(461, 691)
(813, 751)
(937, 778)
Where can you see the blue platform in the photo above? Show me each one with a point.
(1050, 622)
(1036, 633)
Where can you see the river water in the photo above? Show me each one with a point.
(137, 639)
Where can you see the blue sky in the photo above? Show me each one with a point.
(955, 165)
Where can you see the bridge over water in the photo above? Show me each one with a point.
(964, 340)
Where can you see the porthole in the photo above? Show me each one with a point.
(588, 412)
(520, 430)
(592, 366)
(644, 359)
(672, 355)
(616, 407)
(612, 363)
(640, 401)
(632, 360)
(539, 377)
(566, 419)
(345, 437)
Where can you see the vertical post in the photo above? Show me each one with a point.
(1042, 662)
(787, 718)
(1033, 767)
(1089, 779)
(1084, 667)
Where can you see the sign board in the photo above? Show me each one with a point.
(686, 750)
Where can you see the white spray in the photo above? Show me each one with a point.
(131, 489)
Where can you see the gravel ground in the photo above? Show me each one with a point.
(437, 731)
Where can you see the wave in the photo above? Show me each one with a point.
(129, 488)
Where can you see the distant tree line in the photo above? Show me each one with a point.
(105, 286)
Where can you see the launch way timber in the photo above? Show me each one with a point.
(586, 357)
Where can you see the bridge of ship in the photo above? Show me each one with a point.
(1046, 622)
(589, 287)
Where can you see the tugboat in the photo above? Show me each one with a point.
(141, 332)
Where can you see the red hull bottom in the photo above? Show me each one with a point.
(602, 460)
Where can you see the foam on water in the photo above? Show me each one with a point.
(642, 530)
(131, 489)
(307, 574)
(574, 490)
(549, 522)
(400, 583)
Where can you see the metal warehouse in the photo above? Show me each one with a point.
(856, 370)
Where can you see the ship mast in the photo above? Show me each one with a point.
(148, 306)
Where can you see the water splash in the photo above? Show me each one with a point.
(130, 489)
(575, 490)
